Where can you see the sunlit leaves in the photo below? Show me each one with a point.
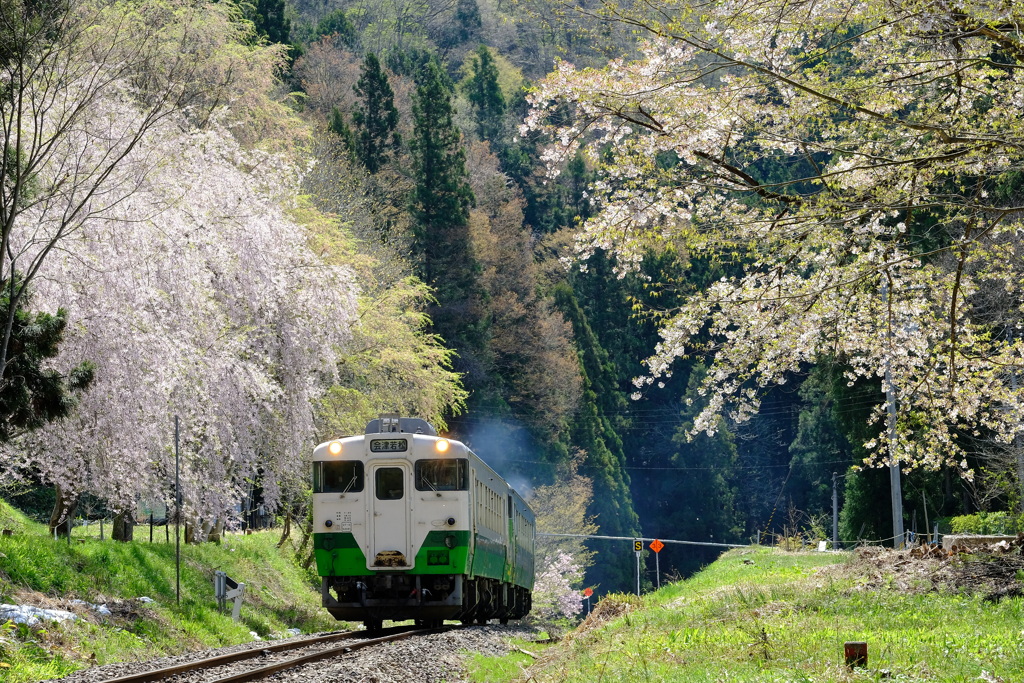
(844, 159)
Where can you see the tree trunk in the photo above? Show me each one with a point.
(307, 534)
(287, 528)
(123, 529)
(63, 512)
(215, 533)
(198, 532)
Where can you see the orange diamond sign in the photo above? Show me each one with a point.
(656, 545)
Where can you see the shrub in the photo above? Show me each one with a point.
(985, 523)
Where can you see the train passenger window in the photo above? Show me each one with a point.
(442, 475)
(390, 483)
(337, 476)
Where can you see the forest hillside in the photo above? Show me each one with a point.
(698, 271)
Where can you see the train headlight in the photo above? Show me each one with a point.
(334, 448)
(449, 541)
(441, 445)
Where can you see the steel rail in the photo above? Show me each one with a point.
(270, 669)
(231, 658)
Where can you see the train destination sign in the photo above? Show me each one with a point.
(389, 445)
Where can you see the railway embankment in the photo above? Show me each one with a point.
(125, 601)
(761, 614)
(98, 610)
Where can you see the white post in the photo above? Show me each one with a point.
(896, 489)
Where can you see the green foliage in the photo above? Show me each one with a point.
(337, 24)
(999, 522)
(375, 118)
(467, 19)
(593, 431)
(440, 207)
(279, 595)
(271, 21)
(698, 502)
(765, 615)
(867, 511)
(818, 445)
(31, 394)
(442, 196)
(506, 669)
(393, 364)
(484, 93)
(339, 127)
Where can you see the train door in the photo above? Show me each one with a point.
(389, 514)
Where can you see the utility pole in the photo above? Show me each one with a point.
(1018, 452)
(835, 514)
(894, 469)
(177, 517)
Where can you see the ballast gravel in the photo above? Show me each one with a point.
(431, 658)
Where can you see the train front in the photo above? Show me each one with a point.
(390, 523)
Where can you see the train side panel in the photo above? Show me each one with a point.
(409, 525)
(489, 523)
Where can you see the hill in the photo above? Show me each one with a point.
(136, 583)
(769, 615)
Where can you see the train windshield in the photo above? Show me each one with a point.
(390, 483)
(337, 476)
(442, 475)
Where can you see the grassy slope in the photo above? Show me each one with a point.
(35, 569)
(780, 619)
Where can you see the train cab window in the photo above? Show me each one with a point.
(390, 482)
(337, 476)
(442, 475)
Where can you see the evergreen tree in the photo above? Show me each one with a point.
(697, 497)
(464, 27)
(271, 22)
(376, 118)
(467, 18)
(595, 431)
(820, 447)
(338, 126)
(867, 508)
(441, 236)
(442, 196)
(30, 395)
(485, 95)
(337, 24)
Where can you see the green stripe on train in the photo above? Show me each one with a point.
(436, 557)
(339, 554)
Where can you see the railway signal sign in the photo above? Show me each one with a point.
(587, 592)
(638, 546)
(657, 545)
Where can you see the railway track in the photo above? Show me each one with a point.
(274, 658)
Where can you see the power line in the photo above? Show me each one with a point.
(643, 538)
(634, 468)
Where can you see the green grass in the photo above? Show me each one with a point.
(779, 619)
(279, 595)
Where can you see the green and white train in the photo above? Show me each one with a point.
(410, 525)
